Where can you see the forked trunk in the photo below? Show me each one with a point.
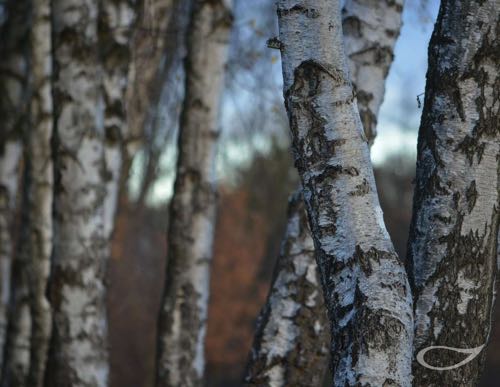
(365, 286)
(289, 348)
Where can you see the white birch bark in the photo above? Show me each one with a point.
(291, 342)
(371, 29)
(300, 358)
(453, 243)
(365, 285)
(39, 185)
(79, 353)
(13, 110)
(182, 324)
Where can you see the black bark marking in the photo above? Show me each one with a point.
(471, 196)
(307, 361)
(308, 12)
(361, 189)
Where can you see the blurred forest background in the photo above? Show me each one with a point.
(256, 176)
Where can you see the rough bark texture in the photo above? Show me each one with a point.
(453, 240)
(369, 43)
(371, 28)
(14, 51)
(365, 286)
(183, 313)
(292, 339)
(79, 354)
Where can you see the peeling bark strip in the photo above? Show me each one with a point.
(453, 240)
(78, 355)
(291, 342)
(183, 313)
(371, 29)
(367, 37)
(365, 286)
(14, 51)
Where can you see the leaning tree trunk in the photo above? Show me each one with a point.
(280, 354)
(116, 21)
(14, 49)
(155, 130)
(148, 49)
(291, 343)
(453, 243)
(182, 324)
(289, 348)
(365, 286)
(79, 353)
(158, 46)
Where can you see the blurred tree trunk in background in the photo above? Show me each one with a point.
(92, 60)
(292, 341)
(453, 244)
(14, 49)
(79, 350)
(116, 21)
(288, 347)
(39, 167)
(158, 49)
(148, 50)
(364, 282)
(182, 320)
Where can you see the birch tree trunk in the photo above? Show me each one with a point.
(291, 342)
(116, 21)
(289, 348)
(79, 353)
(39, 186)
(370, 33)
(30, 318)
(162, 82)
(158, 46)
(182, 322)
(453, 243)
(148, 42)
(9, 160)
(14, 50)
(365, 285)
